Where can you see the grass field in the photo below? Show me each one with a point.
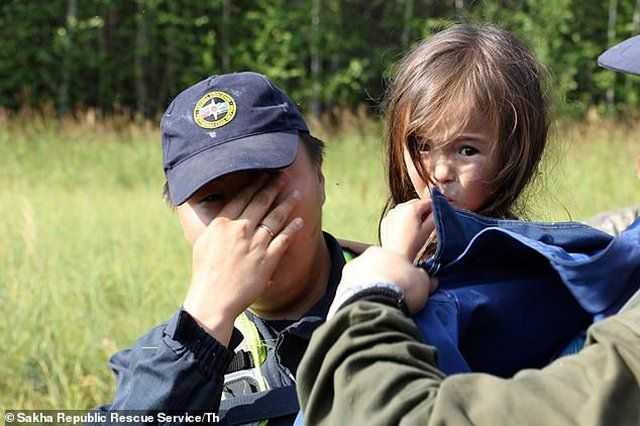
(90, 256)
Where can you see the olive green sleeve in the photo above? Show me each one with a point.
(367, 366)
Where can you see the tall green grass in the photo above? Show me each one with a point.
(90, 257)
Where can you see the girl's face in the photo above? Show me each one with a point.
(462, 168)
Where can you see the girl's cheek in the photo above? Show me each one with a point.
(424, 192)
(421, 188)
(484, 170)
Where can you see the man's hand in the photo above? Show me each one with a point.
(406, 228)
(235, 258)
(380, 265)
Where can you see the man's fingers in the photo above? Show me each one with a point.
(262, 202)
(279, 244)
(234, 208)
(276, 219)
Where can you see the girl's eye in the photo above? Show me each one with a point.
(468, 151)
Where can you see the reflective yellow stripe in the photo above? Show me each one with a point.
(255, 345)
(348, 255)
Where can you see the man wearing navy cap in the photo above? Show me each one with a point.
(369, 364)
(244, 176)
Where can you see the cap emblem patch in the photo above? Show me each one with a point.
(213, 110)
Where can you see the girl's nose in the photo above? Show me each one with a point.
(442, 170)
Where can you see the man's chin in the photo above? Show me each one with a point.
(276, 300)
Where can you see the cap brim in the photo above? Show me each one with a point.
(623, 57)
(256, 152)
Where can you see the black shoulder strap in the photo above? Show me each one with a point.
(242, 360)
(258, 406)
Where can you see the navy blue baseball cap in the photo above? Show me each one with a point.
(623, 57)
(224, 124)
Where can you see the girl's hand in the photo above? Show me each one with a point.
(407, 227)
(235, 258)
(377, 265)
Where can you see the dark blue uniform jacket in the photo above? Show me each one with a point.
(514, 294)
(178, 367)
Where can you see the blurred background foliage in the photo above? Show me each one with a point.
(132, 56)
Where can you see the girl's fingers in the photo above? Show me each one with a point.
(427, 228)
(428, 225)
(434, 284)
(234, 208)
(423, 208)
(415, 209)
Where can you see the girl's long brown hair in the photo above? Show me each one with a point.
(487, 71)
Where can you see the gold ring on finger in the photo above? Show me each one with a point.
(269, 230)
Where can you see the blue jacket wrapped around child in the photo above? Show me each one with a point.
(516, 294)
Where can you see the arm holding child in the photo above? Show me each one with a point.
(378, 371)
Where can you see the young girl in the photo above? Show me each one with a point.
(467, 126)
(368, 366)
(466, 114)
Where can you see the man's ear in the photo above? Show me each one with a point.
(321, 183)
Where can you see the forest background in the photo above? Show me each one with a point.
(133, 56)
(91, 257)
